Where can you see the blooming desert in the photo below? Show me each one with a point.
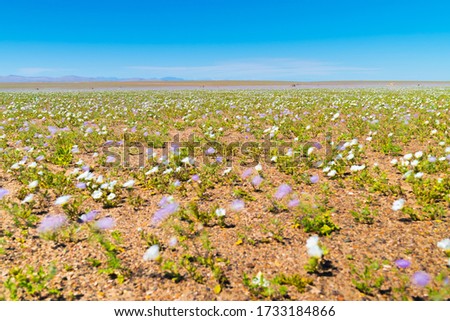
(225, 195)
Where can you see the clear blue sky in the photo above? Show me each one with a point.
(227, 39)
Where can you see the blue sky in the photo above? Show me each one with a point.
(216, 39)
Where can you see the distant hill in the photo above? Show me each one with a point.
(71, 78)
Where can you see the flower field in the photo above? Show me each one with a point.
(314, 194)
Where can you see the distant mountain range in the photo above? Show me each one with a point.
(16, 78)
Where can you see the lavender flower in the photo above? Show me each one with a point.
(283, 191)
(52, 129)
(314, 179)
(173, 241)
(210, 151)
(89, 216)
(3, 193)
(195, 178)
(164, 212)
(257, 180)
(165, 201)
(51, 223)
(247, 173)
(294, 203)
(105, 223)
(403, 264)
(237, 205)
(421, 279)
(110, 159)
(80, 185)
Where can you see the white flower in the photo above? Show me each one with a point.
(32, 165)
(394, 161)
(259, 280)
(111, 196)
(407, 174)
(168, 171)
(407, 156)
(152, 253)
(62, 200)
(128, 184)
(313, 248)
(444, 244)
(220, 212)
(104, 186)
(186, 160)
(414, 163)
(433, 132)
(418, 154)
(97, 194)
(112, 185)
(33, 184)
(310, 150)
(99, 179)
(418, 175)
(357, 168)
(332, 173)
(258, 167)
(28, 199)
(226, 171)
(152, 171)
(398, 204)
(274, 159)
(15, 166)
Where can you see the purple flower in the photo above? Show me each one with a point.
(421, 279)
(219, 159)
(164, 201)
(195, 178)
(105, 223)
(85, 168)
(39, 158)
(110, 159)
(403, 264)
(237, 205)
(210, 151)
(52, 129)
(314, 179)
(257, 180)
(283, 190)
(81, 185)
(247, 173)
(89, 216)
(3, 192)
(294, 203)
(51, 223)
(163, 213)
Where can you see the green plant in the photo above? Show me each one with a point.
(30, 282)
(369, 279)
(321, 224)
(365, 215)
